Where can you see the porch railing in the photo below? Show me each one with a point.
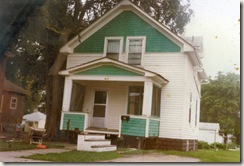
(136, 125)
(74, 120)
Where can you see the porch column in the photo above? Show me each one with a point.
(147, 98)
(67, 94)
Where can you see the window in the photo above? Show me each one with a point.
(113, 47)
(196, 113)
(135, 100)
(156, 98)
(135, 49)
(77, 97)
(13, 102)
(190, 107)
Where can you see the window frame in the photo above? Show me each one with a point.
(120, 45)
(143, 38)
(13, 103)
(157, 100)
(140, 100)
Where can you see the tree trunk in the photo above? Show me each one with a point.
(55, 85)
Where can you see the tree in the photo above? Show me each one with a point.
(221, 103)
(37, 47)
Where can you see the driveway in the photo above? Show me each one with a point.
(14, 156)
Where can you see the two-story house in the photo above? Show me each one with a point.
(130, 76)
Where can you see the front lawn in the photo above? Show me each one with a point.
(12, 146)
(82, 156)
(209, 155)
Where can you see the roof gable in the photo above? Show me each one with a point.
(126, 24)
(125, 5)
(11, 87)
(106, 64)
(108, 70)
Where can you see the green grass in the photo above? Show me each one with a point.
(209, 155)
(13, 146)
(83, 156)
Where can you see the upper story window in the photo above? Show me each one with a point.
(13, 103)
(135, 50)
(113, 47)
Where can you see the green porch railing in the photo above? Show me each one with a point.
(73, 120)
(139, 126)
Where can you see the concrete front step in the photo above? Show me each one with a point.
(94, 142)
(104, 148)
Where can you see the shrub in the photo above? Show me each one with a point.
(218, 146)
(231, 146)
(203, 145)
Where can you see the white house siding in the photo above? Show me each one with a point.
(78, 59)
(170, 66)
(190, 129)
(116, 102)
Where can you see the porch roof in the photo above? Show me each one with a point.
(123, 69)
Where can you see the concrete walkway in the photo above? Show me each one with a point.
(14, 156)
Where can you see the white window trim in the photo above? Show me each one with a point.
(15, 104)
(143, 47)
(106, 45)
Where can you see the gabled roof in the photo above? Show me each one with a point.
(11, 87)
(107, 61)
(126, 5)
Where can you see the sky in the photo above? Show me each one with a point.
(217, 21)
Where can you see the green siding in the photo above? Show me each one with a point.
(134, 127)
(153, 128)
(108, 70)
(128, 24)
(76, 121)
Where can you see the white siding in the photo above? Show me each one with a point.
(78, 59)
(190, 129)
(170, 66)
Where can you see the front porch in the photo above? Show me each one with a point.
(112, 98)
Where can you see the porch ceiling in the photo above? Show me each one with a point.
(112, 69)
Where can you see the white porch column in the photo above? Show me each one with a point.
(67, 94)
(147, 98)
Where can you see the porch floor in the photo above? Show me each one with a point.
(102, 130)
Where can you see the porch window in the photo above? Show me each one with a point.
(13, 103)
(156, 98)
(135, 100)
(77, 97)
(113, 47)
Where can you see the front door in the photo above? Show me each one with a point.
(99, 111)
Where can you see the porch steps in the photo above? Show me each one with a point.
(94, 143)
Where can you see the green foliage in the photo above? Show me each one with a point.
(221, 103)
(203, 145)
(218, 146)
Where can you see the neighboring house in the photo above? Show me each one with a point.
(209, 132)
(12, 105)
(130, 76)
(35, 120)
